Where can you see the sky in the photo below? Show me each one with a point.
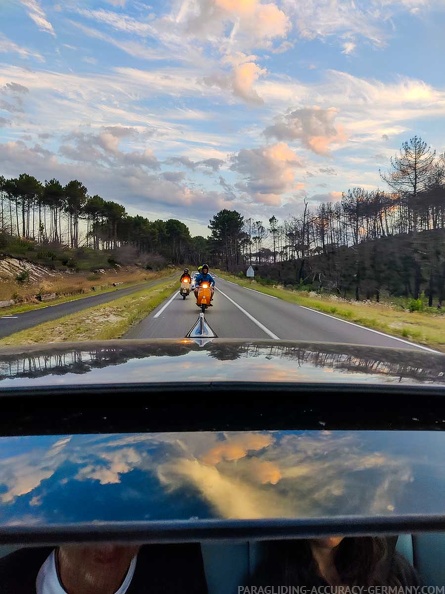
(180, 109)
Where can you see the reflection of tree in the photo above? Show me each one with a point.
(81, 360)
(228, 351)
(350, 359)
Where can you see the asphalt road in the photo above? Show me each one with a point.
(22, 321)
(240, 312)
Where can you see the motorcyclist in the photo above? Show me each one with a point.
(205, 276)
(185, 275)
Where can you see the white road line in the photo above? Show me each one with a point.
(9, 317)
(419, 346)
(166, 305)
(259, 324)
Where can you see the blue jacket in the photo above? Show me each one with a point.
(204, 277)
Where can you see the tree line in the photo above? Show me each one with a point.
(50, 213)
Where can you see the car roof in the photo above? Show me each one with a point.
(173, 461)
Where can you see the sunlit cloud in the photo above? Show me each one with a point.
(268, 171)
(240, 80)
(237, 447)
(315, 127)
(308, 476)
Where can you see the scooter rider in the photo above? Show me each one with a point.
(204, 276)
(185, 275)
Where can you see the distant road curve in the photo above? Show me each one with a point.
(22, 321)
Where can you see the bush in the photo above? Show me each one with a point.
(22, 277)
(415, 305)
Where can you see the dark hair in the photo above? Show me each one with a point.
(360, 561)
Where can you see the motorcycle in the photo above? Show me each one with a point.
(204, 296)
(185, 288)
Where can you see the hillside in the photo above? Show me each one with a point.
(22, 281)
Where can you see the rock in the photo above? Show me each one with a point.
(7, 303)
(46, 296)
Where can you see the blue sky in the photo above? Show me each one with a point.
(179, 109)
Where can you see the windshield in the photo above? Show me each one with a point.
(294, 148)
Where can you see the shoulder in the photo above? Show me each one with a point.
(18, 570)
(404, 572)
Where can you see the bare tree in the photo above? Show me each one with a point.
(410, 176)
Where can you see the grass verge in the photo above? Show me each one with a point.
(101, 322)
(427, 329)
(72, 287)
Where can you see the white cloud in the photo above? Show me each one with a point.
(37, 14)
(7, 46)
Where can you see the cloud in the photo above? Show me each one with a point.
(314, 126)
(119, 22)
(132, 48)
(322, 18)
(16, 88)
(14, 102)
(111, 466)
(348, 47)
(327, 197)
(214, 164)
(294, 477)
(237, 447)
(240, 24)
(243, 79)
(36, 13)
(7, 46)
(245, 72)
(174, 176)
(184, 161)
(104, 147)
(269, 171)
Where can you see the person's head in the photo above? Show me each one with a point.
(329, 542)
(103, 565)
(186, 270)
(199, 268)
(205, 269)
(358, 560)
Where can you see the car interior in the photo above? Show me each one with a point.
(232, 548)
(231, 563)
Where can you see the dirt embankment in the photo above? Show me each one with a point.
(22, 281)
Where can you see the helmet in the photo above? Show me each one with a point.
(205, 266)
(199, 268)
(186, 270)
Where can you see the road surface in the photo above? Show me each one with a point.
(240, 312)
